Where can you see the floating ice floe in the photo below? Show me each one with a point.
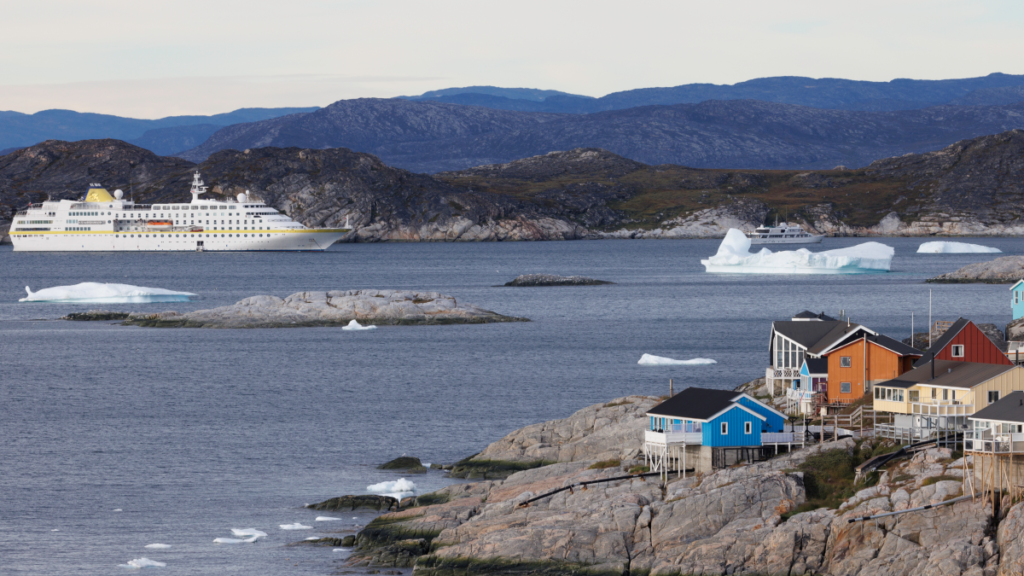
(143, 563)
(956, 248)
(97, 293)
(235, 540)
(326, 519)
(354, 325)
(397, 489)
(117, 510)
(313, 538)
(158, 546)
(296, 526)
(651, 360)
(248, 532)
(734, 257)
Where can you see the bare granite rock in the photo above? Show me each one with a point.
(334, 308)
(532, 280)
(1004, 270)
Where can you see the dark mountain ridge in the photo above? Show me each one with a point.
(830, 93)
(974, 187)
(433, 137)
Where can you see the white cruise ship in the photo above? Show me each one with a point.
(105, 223)
(784, 233)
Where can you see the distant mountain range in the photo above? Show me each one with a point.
(830, 93)
(974, 187)
(430, 136)
(163, 136)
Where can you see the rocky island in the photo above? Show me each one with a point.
(787, 515)
(333, 308)
(532, 280)
(1005, 270)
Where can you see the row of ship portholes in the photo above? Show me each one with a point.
(187, 235)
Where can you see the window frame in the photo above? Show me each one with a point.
(848, 386)
(991, 394)
(954, 348)
(724, 428)
(748, 428)
(846, 361)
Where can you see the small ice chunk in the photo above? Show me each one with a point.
(236, 540)
(247, 532)
(296, 526)
(326, 519)
(397, 489)
(98, 293)
(426, 465)
(144, 563)
(651, 360)
(117, 510)
(158, 546)
(313, 538)
(734, 257)
(354, 325)
(955, 248)
(55, 530)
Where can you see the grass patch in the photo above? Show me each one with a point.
(384, 530)
(902, 478)
(432, 499)
(614, 404)
(828, 478)
(936, 479)
(436, 566)
(639, 469)
(604, 464)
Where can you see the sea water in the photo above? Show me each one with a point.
(113, 438)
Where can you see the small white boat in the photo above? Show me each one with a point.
(784, 233)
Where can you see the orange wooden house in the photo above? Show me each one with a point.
(858, 358)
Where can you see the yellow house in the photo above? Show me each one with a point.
(944, 393)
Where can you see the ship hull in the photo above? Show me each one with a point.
(298, 241)
(806, 240)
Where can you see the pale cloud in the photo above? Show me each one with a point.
(151, 59)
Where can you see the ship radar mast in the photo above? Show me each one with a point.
(197, 186)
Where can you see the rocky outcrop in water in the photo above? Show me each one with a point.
(1004, 270)
(534, 280)
(334, 308)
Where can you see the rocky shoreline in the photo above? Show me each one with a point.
(787, 515)
(1005, 270)
(537, 280)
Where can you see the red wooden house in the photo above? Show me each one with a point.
(965, 342)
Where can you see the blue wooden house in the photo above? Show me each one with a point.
(1017, 300)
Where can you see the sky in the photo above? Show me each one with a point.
(156, 59)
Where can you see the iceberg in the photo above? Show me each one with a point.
(326, 519)
(144, 563)
(651, 360)
(158, 546)
(397, 489)
(296, 526)
(247, 532)
(97, 293)
(354, 325)
(235, 540)
(734, 257)
(955, 248)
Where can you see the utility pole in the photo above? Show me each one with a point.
(929, 318)
(671, 393)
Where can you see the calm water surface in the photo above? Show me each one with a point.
(190, 433)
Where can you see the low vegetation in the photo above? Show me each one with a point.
(492, 469)
(605, 464)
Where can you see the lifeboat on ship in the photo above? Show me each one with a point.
(159, 224)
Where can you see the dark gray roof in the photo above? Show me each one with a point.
(835, 335)
(695, 403)
(817, 365)
(943, 340)
(885, 342)
(820, 316)
(1009, 409)
(948, 373)
(807, 334)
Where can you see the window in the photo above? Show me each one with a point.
(901, 395)
(725, 428)
(933, 393)
(877, 392)
(958, 350)
(945, 394)
(888, 393)
(993, 396)
(915, 396)
(845, 388)
(845, 361)
(747, 428)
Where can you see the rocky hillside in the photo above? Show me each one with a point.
(431, 136)
(975, 187)
(788, 515)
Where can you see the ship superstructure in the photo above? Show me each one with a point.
(105, 222)
(784, 233)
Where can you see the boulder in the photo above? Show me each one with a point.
(407, 463)
(358, 501)
(334, 308)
